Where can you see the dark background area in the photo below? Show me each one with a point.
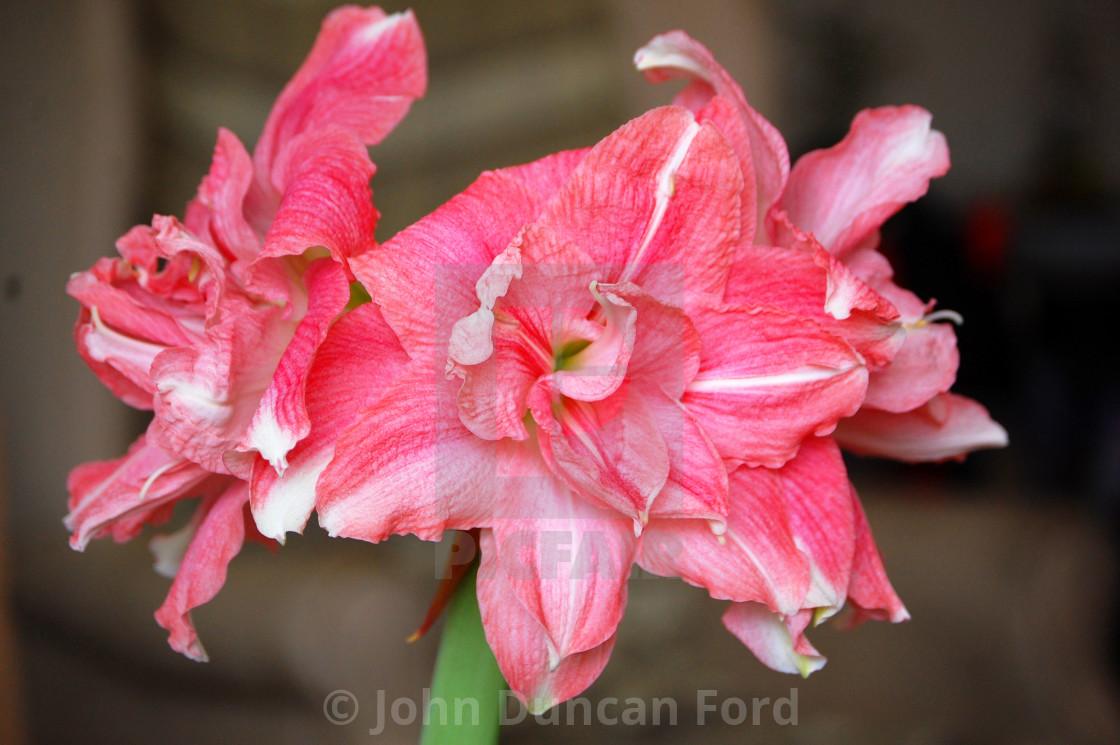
(1007, 561)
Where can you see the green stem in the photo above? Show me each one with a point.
(466, 678)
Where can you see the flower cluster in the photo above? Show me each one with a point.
(646, 352)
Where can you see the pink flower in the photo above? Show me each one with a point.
(216, 322)
(583, 388)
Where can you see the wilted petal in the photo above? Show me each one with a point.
(948, 426)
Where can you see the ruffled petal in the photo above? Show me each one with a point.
(218, 212)
(281, 419)
(924, 366)
(666, 348)
(946, 427)
(207, 394)
(812, 283)
(119, 496)
(521, 644)
(777, 641)
(451, 248)
(656, 203)
(843, 194)
(356, 363)
(608, 452)
(761, 152)
(767, 380)
(755, 559)
(202, 571)
(362, 75)
(325, 200)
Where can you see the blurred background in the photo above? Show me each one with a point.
(1007, 562)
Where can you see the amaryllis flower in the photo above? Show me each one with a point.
(826, 212)
(582, 387)
(216, 322)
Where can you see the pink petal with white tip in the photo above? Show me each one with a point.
(359, 359)
(946, 427)
(777, 641)
(845, 193)
(537, 676)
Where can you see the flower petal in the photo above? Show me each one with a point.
(657, 202)
(202, 571)
(566, 560)
(777, 641)
(819, 497)
(813, 283)
(608, 452)
(408, 465)
(325, 200)
(870, 595)
(362, 75)
(217, 214)
(281, 419)
(119, 496)
(697, 483)
(357, 361)
(843, 194)
(756, 558)
(762, 152)
(767, 380)
(666, 345)
(946, 427)
(521, 645)
(207, 394)
(451, 248)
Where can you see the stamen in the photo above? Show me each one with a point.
(940, 315)
(151, 480)
(945, 315)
